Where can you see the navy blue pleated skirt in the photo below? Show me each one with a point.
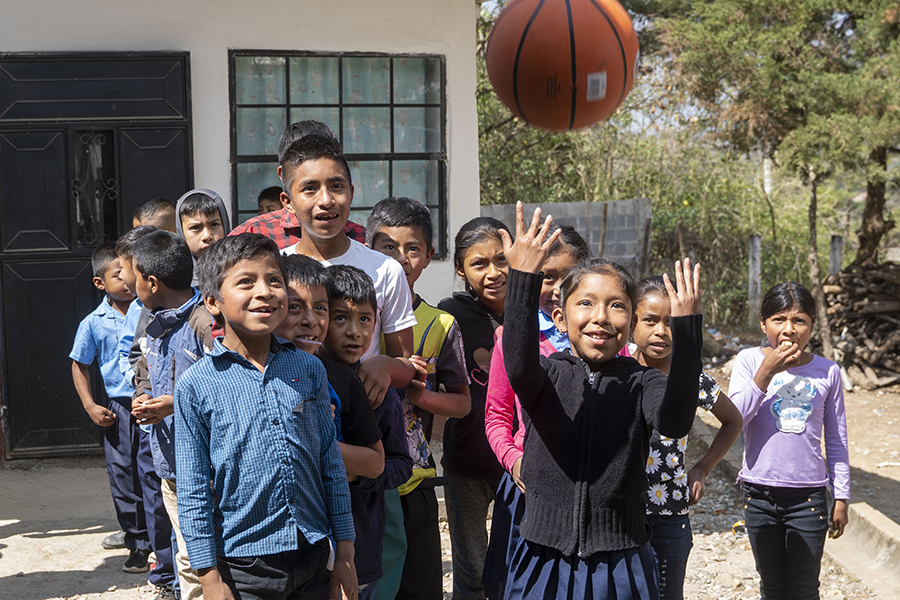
(543, 573)
(509, 508)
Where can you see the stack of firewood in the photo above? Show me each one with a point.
(864, 305)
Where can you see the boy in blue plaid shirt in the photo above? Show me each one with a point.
(257, 410)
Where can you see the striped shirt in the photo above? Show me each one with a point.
(276, 467)
(284, 228)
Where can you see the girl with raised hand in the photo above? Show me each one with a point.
(672, 487)
(588, 417)
(788, 398)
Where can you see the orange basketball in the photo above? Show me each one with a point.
(562, 64)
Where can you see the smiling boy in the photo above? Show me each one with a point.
(278, 485)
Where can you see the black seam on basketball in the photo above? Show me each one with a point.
(518, 55)
(574, 71)
(621, 49)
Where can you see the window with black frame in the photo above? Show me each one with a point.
(388, 110)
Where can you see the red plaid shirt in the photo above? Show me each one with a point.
(284, 228)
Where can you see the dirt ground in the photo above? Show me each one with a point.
(53, 514)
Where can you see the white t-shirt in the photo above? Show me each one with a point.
(392, 293)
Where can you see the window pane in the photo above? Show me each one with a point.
(259, 80)
(419, 179)
(417, 129)
(367, 80)
(315, 80)
(329, 116)
(360, 216)
(258, 130)
(370, 182)
(437, 229)
(252, 178)
(367, 130)
(417, 81)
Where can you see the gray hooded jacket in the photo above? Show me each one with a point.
(226, 224)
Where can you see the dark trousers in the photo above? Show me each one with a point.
(120, 446)
(467, 500)
(787, 528)
(422, 570)
(296, 575)
(159, 528)
(671, 541)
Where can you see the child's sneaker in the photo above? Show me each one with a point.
(137, 561)
(166, 592)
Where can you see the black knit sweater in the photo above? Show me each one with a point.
(588, 433)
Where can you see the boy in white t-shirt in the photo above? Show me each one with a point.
(316, 173)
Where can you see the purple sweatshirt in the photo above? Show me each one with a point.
(783, 425)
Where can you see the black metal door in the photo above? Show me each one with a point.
(84, 140)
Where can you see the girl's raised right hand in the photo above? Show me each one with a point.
(530, 249)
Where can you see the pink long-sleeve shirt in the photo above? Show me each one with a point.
(783, 425)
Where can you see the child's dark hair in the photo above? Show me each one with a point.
(198, 203)
(350, 283)
(784, 296)
(101, 256)
(166, 256)
(270, 193)
(597, 266)
(654, 284)
(475, 231)
(569, 241)
(227, 252)
(311, 147)
(125, 243)
(399, 212)
(154, 209)
(304, 270)
(301, 129)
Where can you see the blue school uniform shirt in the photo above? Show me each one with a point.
(98, 337)
(556, 337)
(276, 466)
(132, 315)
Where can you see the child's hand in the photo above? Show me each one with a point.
(530, 248)
(376, 380)
(416, 388)
(517, 474)
(696, 486)
(839, 518)
(344, 583)
(101, 416)
(153, 410)
(686, 301)
(781, 358)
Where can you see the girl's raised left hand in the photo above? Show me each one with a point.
(685, 301)
(530, 249)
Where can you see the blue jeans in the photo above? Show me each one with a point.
(672, 542)
(787, 528)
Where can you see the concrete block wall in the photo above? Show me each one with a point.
(626, 221)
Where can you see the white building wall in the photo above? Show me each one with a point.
(209, 28)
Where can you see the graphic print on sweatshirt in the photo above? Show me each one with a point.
(793, 402)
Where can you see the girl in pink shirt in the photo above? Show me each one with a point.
(503, 415)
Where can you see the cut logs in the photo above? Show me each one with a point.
(864, 305)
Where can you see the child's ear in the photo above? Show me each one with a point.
(286, 201)
(633, 324)
(762, 326)
(212, 305)
(98, 283)
(278, 170)
(153, 280)
(428, 257)
(559, 319)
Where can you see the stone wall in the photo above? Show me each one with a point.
(626, 223)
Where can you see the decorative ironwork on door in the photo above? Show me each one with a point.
(94, 187)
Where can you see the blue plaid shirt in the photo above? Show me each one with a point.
(276, 466)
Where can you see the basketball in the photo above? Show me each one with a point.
(562, 64)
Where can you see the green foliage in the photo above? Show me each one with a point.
(694, 142)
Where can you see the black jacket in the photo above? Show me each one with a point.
(588, 433)
(466, 449)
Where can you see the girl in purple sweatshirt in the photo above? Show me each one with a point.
(788, 398)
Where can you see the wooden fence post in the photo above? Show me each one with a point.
(835, 258)
(754, 297)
